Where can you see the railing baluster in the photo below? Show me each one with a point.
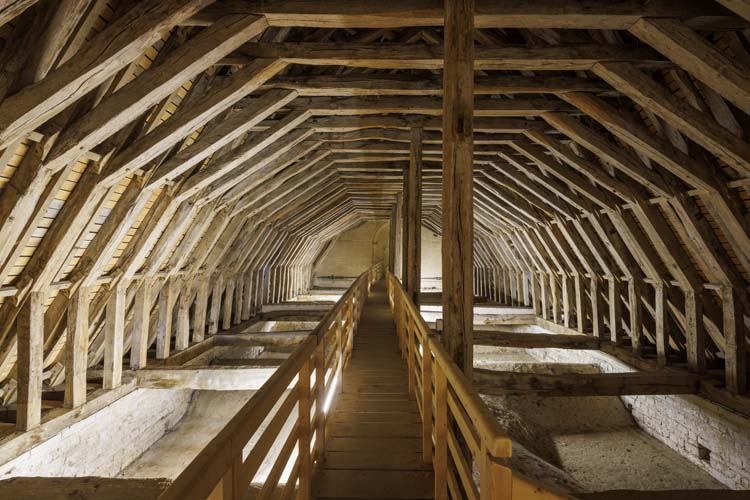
(320, 399)
(303, 423)
(440, 463)
(227, 485)
(350, 323)
(218, 471)
(475, 423)
(405, 329)
(238, 484)
(339, 354)
(400, 322)
(411, 355)
(220, 474)
(426, 403)
(397, 318)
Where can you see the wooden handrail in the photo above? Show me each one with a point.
(223, 471)
(444, 395)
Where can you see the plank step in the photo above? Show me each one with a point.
(395, 446)
(333, 483)
(397, 430)
(367, 460)
(374, 443)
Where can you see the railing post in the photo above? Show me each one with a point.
(339, 354)
(404, 316)
(238, 484)
(229, 488)
(359, 301)
(349, 324)
(227, 485)
(303, 423)
(495, 480)
(320, 416)
(397, 307)
(485, 474)
(426, 402)
(440, 464)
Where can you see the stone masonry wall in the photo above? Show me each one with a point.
(706, 434)
(107, 441)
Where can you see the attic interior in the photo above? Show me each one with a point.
(395, 249)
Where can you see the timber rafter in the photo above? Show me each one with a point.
(163, 178)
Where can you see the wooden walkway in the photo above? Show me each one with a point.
(373, 447)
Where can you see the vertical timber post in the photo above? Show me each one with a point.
(303, 426)
(392, 238)
(214, 313)
(30, 327)
(615, 309)
(635, 289)
(597, 307)
(413, 219)
(201, 308)
(458, 177)
(695, 334)
(734, 333)
(164, 335)
(76, 348)
(114, 332)
(141, 323)
(661, 310)
(182, 336)
(398, 265)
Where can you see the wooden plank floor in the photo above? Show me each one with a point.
(373, 448)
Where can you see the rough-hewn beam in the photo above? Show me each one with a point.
(691, 51)
(651, 95)
(740, 7)
(410, 56)
(735, 336)
(381, 85)
(413, 218)
(10, 9)
(535, 340)
(187, 120)
(211, 141)
(114, 331)
(76, 348)
(209, 378)
(30, 330)
(107, 52)
(458, 181)
(577, 384)
(565, 14)
(125, 105)
(271, 144)
(425, 105)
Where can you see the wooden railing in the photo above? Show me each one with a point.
(226, 467)
(458, 430)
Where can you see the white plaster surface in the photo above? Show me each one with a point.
(208, 414)
(432, 261)
(280, 326)
(354, 251)
(681, 422)
(594, 440)
(106, 442)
